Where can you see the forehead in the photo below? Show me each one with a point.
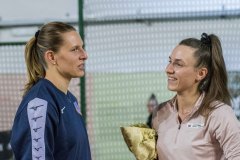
(72, 38)
(183, 53)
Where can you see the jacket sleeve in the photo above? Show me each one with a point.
(226, 130)
(34, 130)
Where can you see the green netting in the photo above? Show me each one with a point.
(128, 52)
(11, 82)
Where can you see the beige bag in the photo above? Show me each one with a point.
(141, 141)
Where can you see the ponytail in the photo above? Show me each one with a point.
(209, 54)
(219, 80)
(35, 70)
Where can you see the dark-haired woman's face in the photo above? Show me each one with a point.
(182, 75)
(71, 56)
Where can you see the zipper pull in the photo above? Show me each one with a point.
(179, 122)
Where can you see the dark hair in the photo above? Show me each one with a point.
(49, 37)
(209, 54)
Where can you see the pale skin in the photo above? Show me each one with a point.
(67, 63)
(184, 78)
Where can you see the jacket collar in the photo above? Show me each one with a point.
(197, 105)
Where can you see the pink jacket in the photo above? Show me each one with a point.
(194, 139)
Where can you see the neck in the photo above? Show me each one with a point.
(58, 81)
(186, 102)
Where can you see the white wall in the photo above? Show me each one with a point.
(37, 10)
(32, 13)
(15, 12)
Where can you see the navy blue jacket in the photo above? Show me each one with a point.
(48, 126)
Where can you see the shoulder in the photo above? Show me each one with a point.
(222, 111)
(39, 94)
(223, 117)
(39, 89)
(161, 113)
(162, 107)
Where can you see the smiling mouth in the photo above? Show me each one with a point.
(171, 79)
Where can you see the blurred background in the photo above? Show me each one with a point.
(128, 43)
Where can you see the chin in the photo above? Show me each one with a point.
(81, 74)
(78, 75)
(171, 88)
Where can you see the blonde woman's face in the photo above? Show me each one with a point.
(182, 75)
(71, 56)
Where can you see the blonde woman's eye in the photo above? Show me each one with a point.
(75, 50)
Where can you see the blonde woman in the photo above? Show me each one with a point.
(48, 124)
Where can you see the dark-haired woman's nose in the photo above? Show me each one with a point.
(169, 69)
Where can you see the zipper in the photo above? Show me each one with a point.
(179, 126)
(178, 130)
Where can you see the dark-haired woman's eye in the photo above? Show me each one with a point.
(178, 64)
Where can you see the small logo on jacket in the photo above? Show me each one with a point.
(62, 110)
(195, 125)
(77, 107)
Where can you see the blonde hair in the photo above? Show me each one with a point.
(49, 37)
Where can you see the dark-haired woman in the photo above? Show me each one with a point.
(198, 123)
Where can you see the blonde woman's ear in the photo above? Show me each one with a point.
(50, 57)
